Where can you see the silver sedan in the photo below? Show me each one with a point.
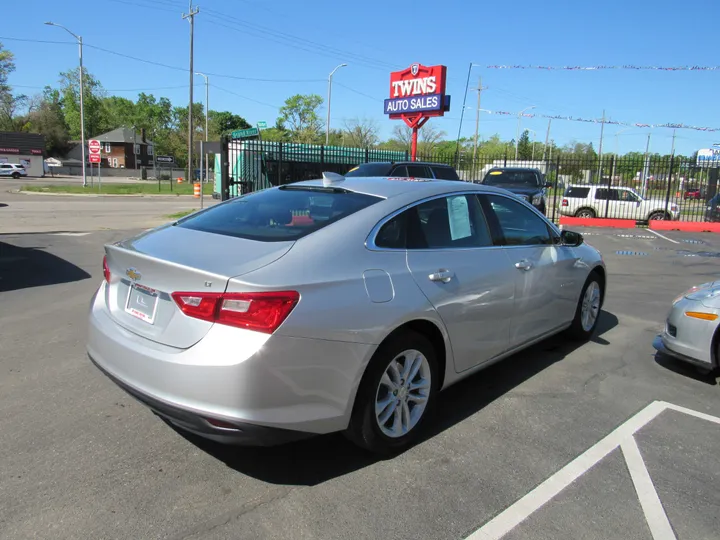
(334, 305)
(692, 329)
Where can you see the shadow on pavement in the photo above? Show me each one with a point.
(687, 370)
(22, 268)
(316, 460)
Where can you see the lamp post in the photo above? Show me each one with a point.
(82, 88)
(617, 147)
(327, 121)
(207, 112)
(517, 133)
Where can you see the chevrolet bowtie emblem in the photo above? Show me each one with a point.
(133, 274)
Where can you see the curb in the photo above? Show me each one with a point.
(658, 225)
(598, 222)
(685, 226)
(52, 194)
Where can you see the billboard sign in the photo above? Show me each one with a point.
(708, 157)
(417, 91)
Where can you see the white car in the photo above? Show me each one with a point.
(12, 169)
(617, 203)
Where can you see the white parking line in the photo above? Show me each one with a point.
(518, 512)
(663, 236)
(69, 234)
(655, 515)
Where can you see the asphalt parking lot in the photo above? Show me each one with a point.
(558, 427)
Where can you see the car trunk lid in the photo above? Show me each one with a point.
(147, 269)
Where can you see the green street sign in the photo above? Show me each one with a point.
(245, 133)
(262, 125)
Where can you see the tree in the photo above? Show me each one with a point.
(223, 122)
(47, 119)
(10, 105)
(525, 146)
(361, 133)
(300, 115)
(118, 112)
(93, 94)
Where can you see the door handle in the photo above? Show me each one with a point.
(441, 275)
(524, 265)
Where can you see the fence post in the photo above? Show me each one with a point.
(224, 169)
(280, 175)
(669, 186)
(367, 155)
(322, 155)
(407, 156)
(555, 188)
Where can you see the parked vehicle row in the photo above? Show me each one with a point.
(343, 304)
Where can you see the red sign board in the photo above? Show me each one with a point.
(94, 146)
(9, 150)
(95, 158)
(417, 93)
(36, 152)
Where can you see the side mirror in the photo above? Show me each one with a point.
(570, 238)
(548, 185)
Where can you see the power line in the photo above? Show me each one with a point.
(245, 97)
(6, 38)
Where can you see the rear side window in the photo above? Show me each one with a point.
(370, 169)
(445, 173)
(279, 214)
(577, 192)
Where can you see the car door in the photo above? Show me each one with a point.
(452, 259)
(626, 205)
(545, 272)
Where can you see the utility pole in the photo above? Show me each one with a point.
(602, 130)
(191, 17)
(646, 165)
(672, 152)
(547, 139)
(207, 112)
(477, 119)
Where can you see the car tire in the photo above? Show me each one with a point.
(16, 175)
(367, 428)
(591, 299)
(660, 215)
(585, 213)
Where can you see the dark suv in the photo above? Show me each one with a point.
(405, 169)
(529, 184)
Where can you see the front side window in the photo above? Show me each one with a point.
(604, 194)
(418, 171)
(519, 225)
(280, 214)
(445, 173)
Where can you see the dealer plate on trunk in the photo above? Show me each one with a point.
(142, 303)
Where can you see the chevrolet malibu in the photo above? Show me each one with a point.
(340, 304)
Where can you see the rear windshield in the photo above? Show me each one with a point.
(445, 173)
(577, 192)
(370, 169)
(279, 214)
(515, 178)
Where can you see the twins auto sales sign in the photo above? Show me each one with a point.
(417, 91)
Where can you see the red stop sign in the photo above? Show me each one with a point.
(94, 146)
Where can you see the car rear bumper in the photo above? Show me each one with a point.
(255, 383)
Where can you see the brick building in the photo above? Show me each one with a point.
(122, 148)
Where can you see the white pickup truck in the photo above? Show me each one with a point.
(619, 203)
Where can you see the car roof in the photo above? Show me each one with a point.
(388, 187)
(533, 169)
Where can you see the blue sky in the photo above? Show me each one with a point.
(263, 39)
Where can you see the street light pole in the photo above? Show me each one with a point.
(82, 91)
(207, 112)
(517, 131)
(191, 17)
(327, 120)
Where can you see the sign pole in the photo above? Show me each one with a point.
(99, 174)
(202, 156)
(413, 146)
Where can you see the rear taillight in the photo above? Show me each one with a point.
(106, 270)
(565, 202)
(261, 312)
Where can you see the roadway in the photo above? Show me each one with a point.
(81, 459)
